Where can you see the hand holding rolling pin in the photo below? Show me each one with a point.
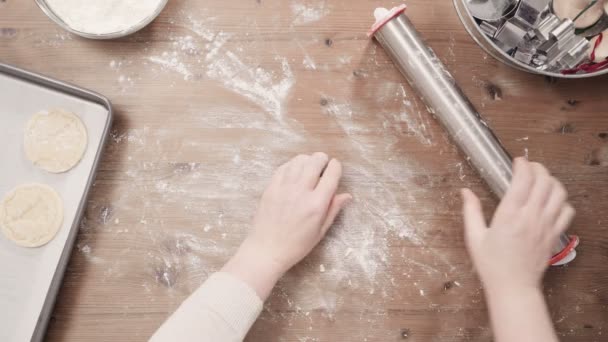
(515, 249)
(511, 253)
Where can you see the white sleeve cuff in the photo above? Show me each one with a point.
(232, 299)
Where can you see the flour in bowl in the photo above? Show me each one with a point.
(103, 16)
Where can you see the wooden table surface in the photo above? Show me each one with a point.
(214, 95)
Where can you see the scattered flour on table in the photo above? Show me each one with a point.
(124, 79)
(55, 40)
(135, 137)
(451, 49)
(185, 44)
(86, 251)
(407, 115)
(214, 47)
(105, 215)
(201, 26)
(356, 255)
(345, 60)
(309, 63)
(308, 11)
(171, 62)
(461, 173)
(207, 53)
(256, 84)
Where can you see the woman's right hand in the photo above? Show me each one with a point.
(514, 250)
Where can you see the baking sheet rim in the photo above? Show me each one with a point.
(87, 95)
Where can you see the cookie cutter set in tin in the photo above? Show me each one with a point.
(540, 36)
(445, 100)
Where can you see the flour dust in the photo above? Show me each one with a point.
(187, 199)
(308, 11)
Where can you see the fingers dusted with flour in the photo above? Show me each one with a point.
(295, 212)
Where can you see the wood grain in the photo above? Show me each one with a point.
(191, 152)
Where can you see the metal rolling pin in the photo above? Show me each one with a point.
(426, 73)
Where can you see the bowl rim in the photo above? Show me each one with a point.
(48, 11)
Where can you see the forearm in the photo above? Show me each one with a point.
(227, 304)
(251, 266)
(520, 315)
(296, 211)
(223, 309)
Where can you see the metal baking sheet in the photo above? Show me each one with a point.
(30, 278)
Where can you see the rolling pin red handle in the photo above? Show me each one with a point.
(383, 16)
(567, 254)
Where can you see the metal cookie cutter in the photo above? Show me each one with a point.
(527, 34)
(425, 72)
(564, 49)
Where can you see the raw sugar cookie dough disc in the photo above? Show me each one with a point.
(55, 140)
(31, 215)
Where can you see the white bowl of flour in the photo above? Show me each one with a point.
(102, 19)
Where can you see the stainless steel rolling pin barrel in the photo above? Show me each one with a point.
(426, 73)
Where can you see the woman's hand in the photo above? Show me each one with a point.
(295, 212)
(514, 251)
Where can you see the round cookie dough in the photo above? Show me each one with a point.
(31, 215)
(55, 140)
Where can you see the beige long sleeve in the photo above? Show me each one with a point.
(223, 309)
